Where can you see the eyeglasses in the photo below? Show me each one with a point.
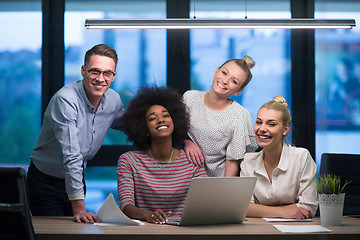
(108, 75)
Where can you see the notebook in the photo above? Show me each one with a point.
(216, 201)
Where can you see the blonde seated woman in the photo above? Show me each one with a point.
(286, 175)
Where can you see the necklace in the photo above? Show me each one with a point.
(172, 151)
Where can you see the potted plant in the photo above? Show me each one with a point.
(331, 199)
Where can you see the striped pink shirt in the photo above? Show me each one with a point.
(151, 186)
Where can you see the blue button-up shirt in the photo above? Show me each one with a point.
(72, 132)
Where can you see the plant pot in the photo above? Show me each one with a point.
(331, 209)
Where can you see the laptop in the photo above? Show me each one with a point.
(216, 200)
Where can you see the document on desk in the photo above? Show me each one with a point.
(287, 220)
(301, 228)
(110, 214)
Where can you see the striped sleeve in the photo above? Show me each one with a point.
(125, 181)
(200, 171)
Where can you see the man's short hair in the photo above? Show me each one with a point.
(102, 50)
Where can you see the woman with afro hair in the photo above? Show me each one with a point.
(153, 180)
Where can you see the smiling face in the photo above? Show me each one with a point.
(159, 122)
(269, 128)
(96, 86)
(228, 80)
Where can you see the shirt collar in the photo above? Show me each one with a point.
(260, 167)
(283, 164)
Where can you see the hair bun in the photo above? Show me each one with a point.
(249, 61)
(280, 99)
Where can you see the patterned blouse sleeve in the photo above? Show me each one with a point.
(243, 138)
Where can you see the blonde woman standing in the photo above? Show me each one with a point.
(220, 129)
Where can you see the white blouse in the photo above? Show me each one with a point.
(293, 180)
(221, 136)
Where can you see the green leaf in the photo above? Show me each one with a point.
(330, 184)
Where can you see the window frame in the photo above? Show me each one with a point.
(178, 68)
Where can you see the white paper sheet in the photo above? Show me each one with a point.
(110, 214)
(115, 224)
(301, 228)
(287, 220)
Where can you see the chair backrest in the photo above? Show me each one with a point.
(347, 166)
(15, 219)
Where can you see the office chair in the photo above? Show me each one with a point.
(347, 166)
(15, 220)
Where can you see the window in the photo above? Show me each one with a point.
(141, 53)
(212, 47)
(20, 80)
(337, 63)
(141, 61)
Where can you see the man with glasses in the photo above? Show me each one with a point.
(74, 126)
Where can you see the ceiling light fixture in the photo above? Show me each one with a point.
(187, 23)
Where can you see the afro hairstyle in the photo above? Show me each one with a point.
(134, 119)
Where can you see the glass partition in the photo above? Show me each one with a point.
(142, 60)
(141, 53)
(20, 80)
(337, 65)
(269, 48)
